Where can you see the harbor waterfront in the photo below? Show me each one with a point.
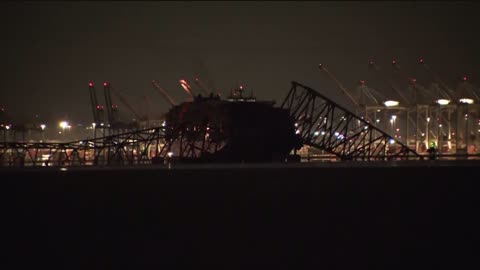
(385, 214)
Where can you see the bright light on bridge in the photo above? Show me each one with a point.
(63, 124)
(391, 103)
(443, 101)
(466, 100)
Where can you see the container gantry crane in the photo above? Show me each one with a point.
(112, 110)
(124, 101)
(164, 93)
(424, 111)
(186, 87)
(97, 109)
(446, 89)
(322, 67)
(373, 66)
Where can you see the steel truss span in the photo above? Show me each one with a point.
(325, 125)
(132, 148)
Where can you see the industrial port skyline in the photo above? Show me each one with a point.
(116, 149)
(53, 50)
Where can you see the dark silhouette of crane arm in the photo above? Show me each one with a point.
(164, 93)
(125, 102)
(344, 90)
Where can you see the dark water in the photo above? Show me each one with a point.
(236, 217)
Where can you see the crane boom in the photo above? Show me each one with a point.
(164, 93)
(94, 102)
(377, 68)
(436, 78)
(362, 88)
(186, 87)
(125, 102)
(108, 102)
(345, 91)
(417, 86)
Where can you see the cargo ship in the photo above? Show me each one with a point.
(236, 129)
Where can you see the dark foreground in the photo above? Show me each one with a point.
(236, 217)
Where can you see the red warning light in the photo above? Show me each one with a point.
(464, 78)
(371, 62)
(105, 84)
(421, 61)
(98, 107)
(362, 82)
(394, 61)
(90, 84)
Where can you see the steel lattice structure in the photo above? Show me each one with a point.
(320, 122)
(188, 141)
(145, 146)
(325, 125)
(132, 148)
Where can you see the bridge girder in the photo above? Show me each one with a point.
(325, 125)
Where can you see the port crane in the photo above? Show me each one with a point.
(97, 109)
(373, 66)
(124, 101)
(339, 84)
(186, 87)
(446, 89)
(112, 110)
(358, 106)
(163, 93)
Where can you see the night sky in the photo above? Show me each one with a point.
(51, 50)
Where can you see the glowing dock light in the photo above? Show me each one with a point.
(43, 126)
(443, 101)
(466, 100)
(392, 141)
(316, 133)
(391, 103)
(63, 124)
(170, 154)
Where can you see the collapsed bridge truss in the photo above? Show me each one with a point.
(325, 125)
(131, 148)
(320, 122)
